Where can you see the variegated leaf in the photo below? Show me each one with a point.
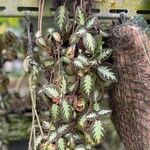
(78, 63)
(91, 115)
(80, 16)
(53, 136)
(89, 42)
(104, 112)
(38, 141)
(73, 39)
(63, 85)
(96, 106)
(66, 110)
(82, 121)
(90, 23)
(61, 16)
(80, 147)
(96, 95)
(89, 139)
(55, 111)
(62, 129)
(87, 84)
(83, 59)
(61, 144)
(72, 87)
(106, 73)
(26, 63)
(97, 131)
(51, 90)
(80, 32)
(104, 54)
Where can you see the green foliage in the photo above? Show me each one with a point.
(87, 84)
(38, 141)
(80, 147)
(51, 91)
(80, 31)
(66, 110)
(106, 73)
(105, 54)
(61, 17)
(82, 121)
(75, 84)
(78, 63)
(80, 16)
(63, 129)
(89, 42)
(63, 85)
(73, 39)
(61, 144)
(53, 136)
(55, 111)
(97, 130)
(90, 23)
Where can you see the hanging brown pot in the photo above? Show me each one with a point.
(130, 97)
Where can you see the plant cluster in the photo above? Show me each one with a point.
(70, 75)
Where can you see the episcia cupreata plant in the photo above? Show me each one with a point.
(70, 75)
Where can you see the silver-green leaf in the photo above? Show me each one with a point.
(55, 111)
(66, 110)
(63, 85)
(89, 42)
(80, 16)
(87, 84)
(78, 63)
(106, 73)
(61, 144)
(90, 23)
(61, 16)
(80, 147)
(51, 90)
(104, 112)
(104, 54)
(97, 131)
(38, 141)
(62, 129)
(53, 136)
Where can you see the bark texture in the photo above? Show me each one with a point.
(130, 97)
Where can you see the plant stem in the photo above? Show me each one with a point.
(33, 98)
(41, 18)
(81, 3)
(39, 14)
(31, 132)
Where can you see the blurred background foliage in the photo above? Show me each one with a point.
(6, 23)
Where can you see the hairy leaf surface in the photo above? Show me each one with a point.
(61, 17)
(55, 111)
(97, 131)
(61, 144)
(80, 16)
(90, 23)
(51, 91)
(106, 73)
(87, 84)
(66, 110)
(89, 42)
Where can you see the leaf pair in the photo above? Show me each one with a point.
(65, 111)
(81, 19)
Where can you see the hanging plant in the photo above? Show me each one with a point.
(75, 77)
